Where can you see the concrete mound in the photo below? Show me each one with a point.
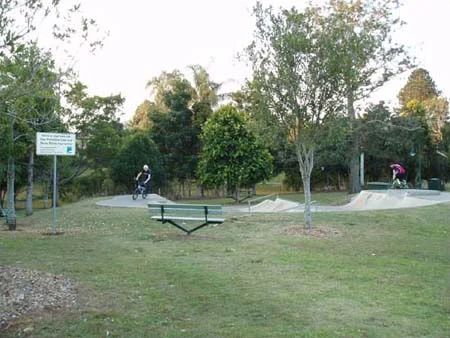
(394, 199)
(126, 201)
(274, 206)
(365, 200)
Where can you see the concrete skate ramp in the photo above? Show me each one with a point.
(274, 206)
(125, 201)
(365, 200)
(395, 199)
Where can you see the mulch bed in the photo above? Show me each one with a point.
(25, 291)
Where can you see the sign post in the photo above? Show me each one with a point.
(55, 144)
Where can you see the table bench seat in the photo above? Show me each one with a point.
(178, 214)
(178, 218)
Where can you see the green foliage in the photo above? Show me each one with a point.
(387, 138)
(333, 142)
(176, 133)
(137, 150)
(86, 112)
(19, 19)
(140, 119)
(360, 33)
(292, 179)
(420, 99)
(437, 115)
(295, 71)
(160, 85)
(205, 89)
(95, 183)
(298, 72)
(419, 87)
(95, 121)
(175, 117)
(263, 122)
(29, 104)
(103, 145)
(444, 153)
(232, 155)
(423, 104)
(201, 113)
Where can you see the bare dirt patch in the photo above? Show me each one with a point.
(315, 232)
(38, 230)
(25, 291)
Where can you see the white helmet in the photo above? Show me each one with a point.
(145, 167)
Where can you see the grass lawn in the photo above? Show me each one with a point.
(363, 274)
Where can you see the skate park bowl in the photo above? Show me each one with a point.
(365, 200)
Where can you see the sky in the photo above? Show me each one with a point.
(147, 37)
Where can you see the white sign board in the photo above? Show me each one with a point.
(55, 144)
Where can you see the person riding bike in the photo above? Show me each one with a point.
(398, 174)
(145, 177)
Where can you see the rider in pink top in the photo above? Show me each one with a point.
(398, 172)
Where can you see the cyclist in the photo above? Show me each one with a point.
(398, 174)
(145, 176)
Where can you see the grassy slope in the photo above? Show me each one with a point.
(385, 274)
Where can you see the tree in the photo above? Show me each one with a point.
(262, 122)
(165, 82)
(387, 137)
(232, 155)
(38, 111)
(137, 150)
(361, 35)
(297, 72)
(203, 96)
(141, 118)
(95, 121)
(205, 89)
(29, 99)
(420, 87)
(420, 97)
(176, 134)
(175, 117)
(19, 19)
(103, 144)
(436, 109)
(444, 152)
(333, 146)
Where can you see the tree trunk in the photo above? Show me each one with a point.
(305, 158)
(2, 198)
(354, 184)
(11, 209)
(202, 191)
(29, 202)
(237, 192)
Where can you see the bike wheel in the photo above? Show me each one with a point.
(135, 194)
(144, 195)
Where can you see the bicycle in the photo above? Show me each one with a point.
(397, 184)
(141, 189)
